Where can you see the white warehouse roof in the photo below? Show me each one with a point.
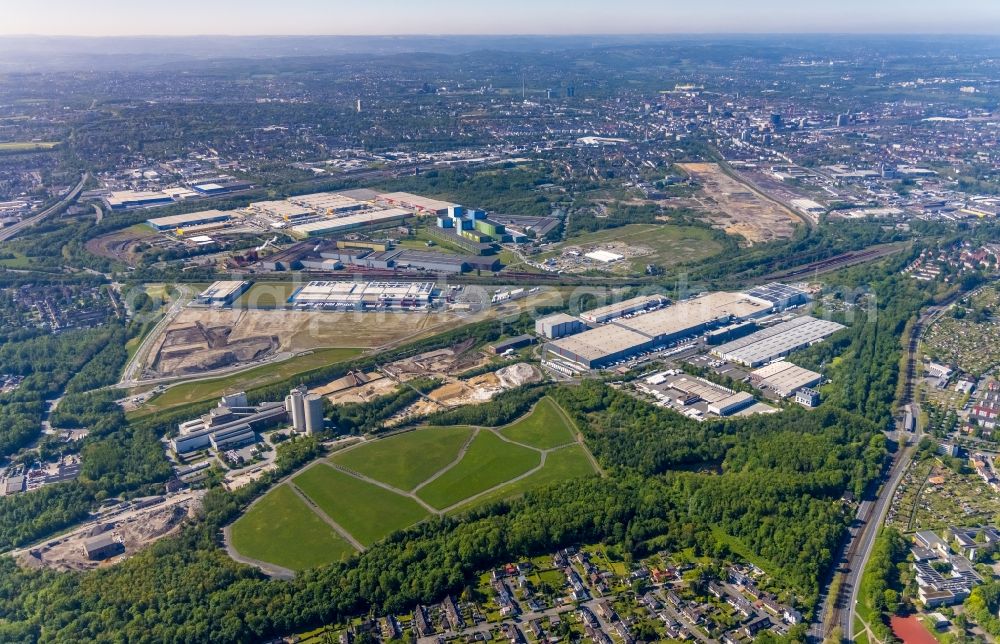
(777, 341)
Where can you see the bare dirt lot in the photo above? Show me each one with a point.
(452, 360)
(135, 529)
(197, 348)
(479, 389)
(121, 244)
(296, 331)
(356, 388)
(737, 209)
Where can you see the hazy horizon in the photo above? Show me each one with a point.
(121, 18)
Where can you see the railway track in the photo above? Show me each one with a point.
(519, 277)
(834, 263)
(839, 612)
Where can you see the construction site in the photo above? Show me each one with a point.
(131, 528)
(201, 340)
(455, 359)
(197, 348)
(356, 387)
(736, 208)
(478, 389)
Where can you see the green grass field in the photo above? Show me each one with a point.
(489, 461)
(669, 244)
(262, 533)
(546, 428)
(258, 376)
(20, 261)
(27, 146)
(419, 242)
(565, 463)
(406, 460)
(367, 511)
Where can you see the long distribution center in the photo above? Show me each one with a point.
(626, 336)
(363, 295)
(777, 341)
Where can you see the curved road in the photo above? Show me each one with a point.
(12, 231)
(132, 373)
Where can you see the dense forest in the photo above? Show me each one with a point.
(116, 458)
(782, 505)
(513, 191)
(47, 363)
(806, 246)
(882, 586)
(866, 373)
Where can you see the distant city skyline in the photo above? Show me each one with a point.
(446, 17)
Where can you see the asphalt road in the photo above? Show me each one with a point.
(12, 231)
(133, 370)
(857, 549)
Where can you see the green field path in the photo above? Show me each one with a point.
(546, 427)
(368, 512)
(406, 460)
(263, 533)
(562, 464)
(361, 495)
(488, 462)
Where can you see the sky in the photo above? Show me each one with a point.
(384, 17)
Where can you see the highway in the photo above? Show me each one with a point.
(10, 232)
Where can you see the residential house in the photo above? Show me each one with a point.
(752, 628)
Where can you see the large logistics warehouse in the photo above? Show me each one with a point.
(610, 312)
(777, 341)
(328, 203)
(558, 326)
(190, 219)
(402, 258)
(693, 316)
(223, 293)
(633, 328)
(221, 185)
(364, 295)
(351, 222)
(784, 378)
(283, 210)
(627, 336)
(780, 295)
(416, 202)
(130, 199)
(601, 346)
